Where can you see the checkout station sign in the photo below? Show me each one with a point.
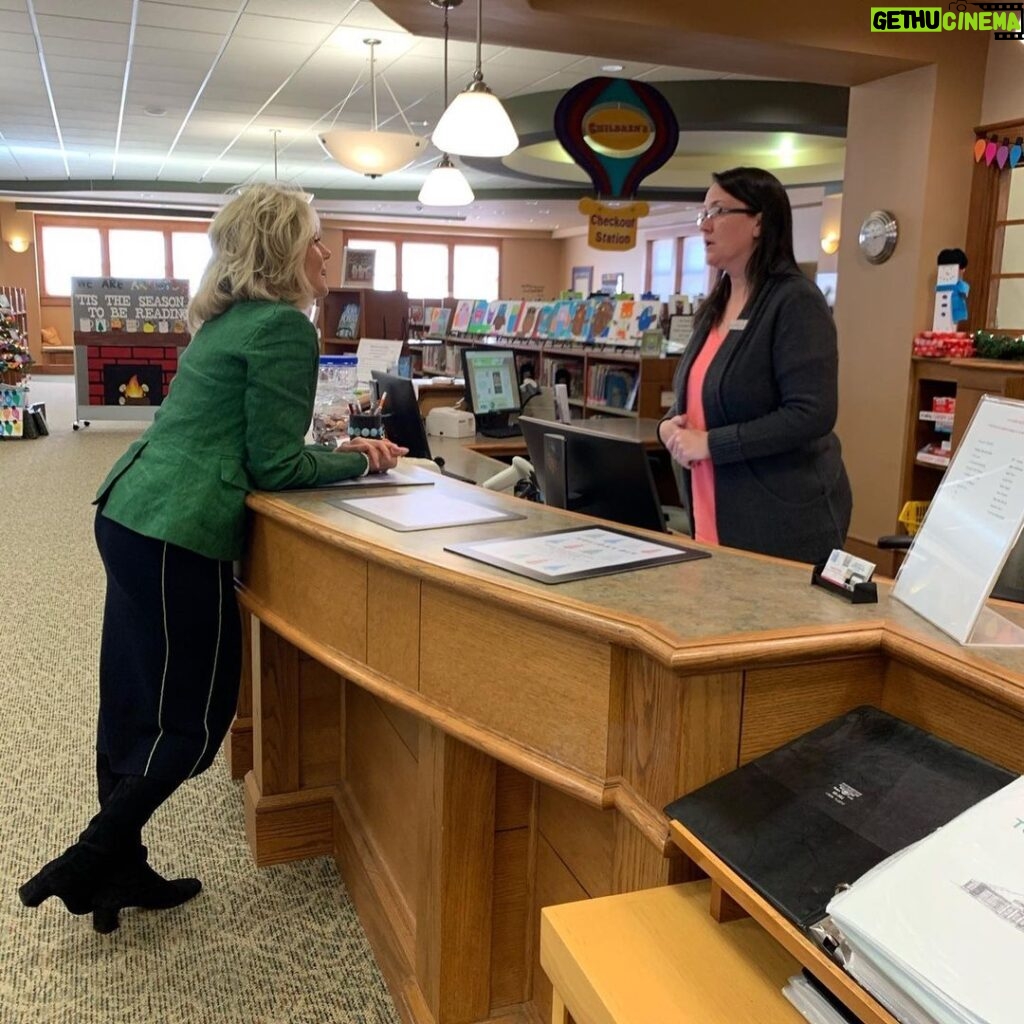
(619, 131)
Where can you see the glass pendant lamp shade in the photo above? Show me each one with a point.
(446, 185)
(476, 124)
(372, 152)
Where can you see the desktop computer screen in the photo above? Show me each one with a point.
(600, 474)
(492, 389)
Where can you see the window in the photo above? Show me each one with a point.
(663, 267)
(385, 267)
(425, 270)
(694, 280)
(137, 253)
(110, 247)
(190, 252)
(69, 252)
(476, 271)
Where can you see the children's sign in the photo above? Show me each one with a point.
(108, 305)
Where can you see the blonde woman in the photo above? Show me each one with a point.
(171, 520)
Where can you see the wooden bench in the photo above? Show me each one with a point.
(52, 356)
(658, 957)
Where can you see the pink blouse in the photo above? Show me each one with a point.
(702, 474)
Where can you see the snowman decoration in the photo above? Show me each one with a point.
(950, 291)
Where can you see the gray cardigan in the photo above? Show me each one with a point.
(770, 398)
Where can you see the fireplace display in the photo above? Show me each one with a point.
(126, 383)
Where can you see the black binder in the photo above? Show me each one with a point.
(823, 809)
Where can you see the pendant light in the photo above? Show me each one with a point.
(373, 152)
(445, 185)
(476, 123)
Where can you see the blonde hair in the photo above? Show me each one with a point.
(259, 241)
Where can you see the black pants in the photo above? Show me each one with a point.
(170, 659)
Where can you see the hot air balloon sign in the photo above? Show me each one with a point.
(619, 131)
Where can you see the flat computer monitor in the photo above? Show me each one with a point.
(492, 388)
(600, 474)
(403, 424)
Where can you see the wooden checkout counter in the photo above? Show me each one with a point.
(471, 746)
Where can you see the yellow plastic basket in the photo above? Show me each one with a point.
(912, 515)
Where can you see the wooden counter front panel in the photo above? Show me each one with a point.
(393, 598)
(546, 688)
(782, 703)
(318, 589)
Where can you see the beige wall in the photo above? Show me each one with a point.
(1004, 70)
(909, 151)
(18, 270)
(531, 268)
(576, 253)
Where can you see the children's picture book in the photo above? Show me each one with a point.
(437, 321)
(512, 317)
(478, 318)
(646, 314)
(348, 322)
(602, 320)
(561, 329)
(492, 312)
(500, 318)
(417, 314)
(618, 333)
(463, 311)
(545, 315)
(581, 313)
(357, 268)
(528, 319)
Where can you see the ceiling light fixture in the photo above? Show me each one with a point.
(611, 67)
(476, 123)
(373, 152)
(445, 185)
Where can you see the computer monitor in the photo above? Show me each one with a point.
(492, 385)
(601, 474)
(403, 423)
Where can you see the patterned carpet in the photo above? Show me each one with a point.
(256, 947)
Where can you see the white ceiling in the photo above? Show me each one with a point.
(164, 94)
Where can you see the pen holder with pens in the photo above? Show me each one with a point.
(366, 424)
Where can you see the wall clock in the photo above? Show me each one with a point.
(877, 237)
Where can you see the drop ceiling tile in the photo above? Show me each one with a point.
(96, 10)
(82, 30)
(158, 57)
(15, 21)
(59, 47)
(366, 15)
(286, 30)
(303, 10)
(161, 15)
(178, 40)
(16, 43)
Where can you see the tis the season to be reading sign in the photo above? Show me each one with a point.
(133, 305)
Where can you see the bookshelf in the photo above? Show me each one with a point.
(943, 396)
(369, 314)
(602, 379)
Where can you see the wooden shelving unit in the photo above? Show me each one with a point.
(380, 315)
(585, 368)
(966, 380)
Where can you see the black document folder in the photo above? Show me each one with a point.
(823, 809)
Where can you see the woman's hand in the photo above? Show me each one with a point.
(382, 455)
(686, 445)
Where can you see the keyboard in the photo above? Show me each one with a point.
(510, 430)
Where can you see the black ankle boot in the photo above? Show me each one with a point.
(75, 877)
(138, 885)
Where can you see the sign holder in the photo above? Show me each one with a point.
(970, 527)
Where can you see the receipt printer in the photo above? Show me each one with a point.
(445, 421)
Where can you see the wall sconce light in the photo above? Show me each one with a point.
(17, 231)
(19, 243)
(830, 243)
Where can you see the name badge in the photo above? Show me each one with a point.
(738, 325)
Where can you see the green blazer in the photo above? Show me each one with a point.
(233, 421)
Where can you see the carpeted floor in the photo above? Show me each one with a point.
(256, 947)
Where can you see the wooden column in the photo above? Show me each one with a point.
(454, 892)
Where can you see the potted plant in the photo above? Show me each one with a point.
(15, 357)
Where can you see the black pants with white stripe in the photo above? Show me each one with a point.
(170, 657)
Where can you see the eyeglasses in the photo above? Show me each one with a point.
(714, 212)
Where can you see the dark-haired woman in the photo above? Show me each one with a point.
(756, 389)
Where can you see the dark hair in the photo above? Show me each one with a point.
(763, 193)
(957, 256)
